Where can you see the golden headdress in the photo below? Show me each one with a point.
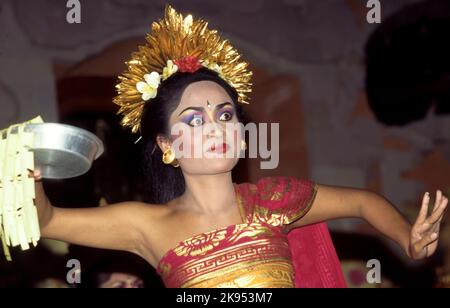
(177, 43)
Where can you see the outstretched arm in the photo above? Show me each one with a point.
(116, 226)
(418, 241)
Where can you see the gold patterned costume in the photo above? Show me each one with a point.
(254, 253)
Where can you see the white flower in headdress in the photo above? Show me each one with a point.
(149, 88)
(187, 22)
(214, 67)
(217, 68)
(169, 69)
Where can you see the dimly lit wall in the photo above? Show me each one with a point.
(318, 44)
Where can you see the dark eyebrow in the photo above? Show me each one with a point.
(191, 108)
(202, 109)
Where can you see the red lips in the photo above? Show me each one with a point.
(221, 148)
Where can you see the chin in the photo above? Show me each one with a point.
(212, 165)
(218, 165)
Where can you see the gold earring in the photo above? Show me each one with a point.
(243, 145)
(168, 158)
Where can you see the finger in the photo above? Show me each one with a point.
(425, 227)
(423, 209)
(425, 241)
(437, 225)
(437, 214)
(438, 199)
(434, 227)
(37, 174)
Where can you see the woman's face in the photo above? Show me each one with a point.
(205, 130)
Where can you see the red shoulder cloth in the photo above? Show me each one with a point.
(313, 254)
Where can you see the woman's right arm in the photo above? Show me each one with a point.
(115, 226)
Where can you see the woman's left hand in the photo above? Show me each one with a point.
(424, 234)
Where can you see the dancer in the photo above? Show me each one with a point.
(201, 229)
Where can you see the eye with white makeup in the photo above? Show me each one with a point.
(195, 118)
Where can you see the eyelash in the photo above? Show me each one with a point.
(197, 116)
(194, 117)
(230, 113)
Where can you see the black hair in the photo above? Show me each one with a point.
(165, 182)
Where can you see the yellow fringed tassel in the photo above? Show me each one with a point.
(19, 224)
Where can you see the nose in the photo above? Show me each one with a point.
(215, 130)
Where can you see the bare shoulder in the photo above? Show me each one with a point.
(152, 222)
(154, 217)
(142, 211)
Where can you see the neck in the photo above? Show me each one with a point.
(208, 194)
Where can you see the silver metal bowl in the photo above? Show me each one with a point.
(63, 151)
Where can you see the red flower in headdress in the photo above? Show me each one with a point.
(188, 64)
